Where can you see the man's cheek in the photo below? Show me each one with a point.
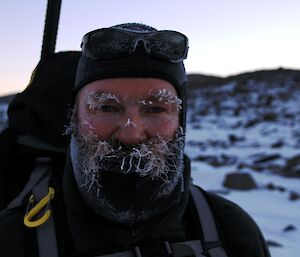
(165, 129)
(91, 128)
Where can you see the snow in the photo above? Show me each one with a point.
(272, 210)
(209, 133)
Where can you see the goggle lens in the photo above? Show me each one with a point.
(109, 44)
(113, 43)
(169, 45)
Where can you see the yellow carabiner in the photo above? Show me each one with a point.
(36, 209)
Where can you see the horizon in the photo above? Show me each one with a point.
(208, 75)
(226, 38)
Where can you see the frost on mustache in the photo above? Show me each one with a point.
(157, 158)
(129, 123)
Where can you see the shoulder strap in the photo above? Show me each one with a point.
(40, 171)
(212, 243)
(38, 185)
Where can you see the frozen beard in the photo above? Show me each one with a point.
(128, 183)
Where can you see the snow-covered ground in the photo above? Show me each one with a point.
(220, 142)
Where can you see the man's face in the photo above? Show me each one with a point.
(127, 149)
(130, 109)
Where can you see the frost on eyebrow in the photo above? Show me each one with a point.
(96, 100)
(163, 96)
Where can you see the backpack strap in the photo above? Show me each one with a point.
(191, 248)
(212, 243)
(46, 234)
(40, 171)
(33, 142)
(38, 185)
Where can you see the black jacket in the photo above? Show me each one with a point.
(90, 236)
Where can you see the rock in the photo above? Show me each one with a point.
(271, 186)
(267, 158)
(289, 228)
(241, 181)
(294, 196)
(272, 243)
(281, 189)
(270, 117)
(217, 161)
(278, 144)
(251, 123)
(234, 138)
(292, 167)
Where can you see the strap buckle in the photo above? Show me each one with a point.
(167, 246)
(32, 210)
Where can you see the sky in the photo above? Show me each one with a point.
(226, 37)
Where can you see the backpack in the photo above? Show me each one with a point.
(36, 123)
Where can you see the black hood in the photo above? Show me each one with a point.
(40, 111)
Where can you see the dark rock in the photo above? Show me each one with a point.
(251, 123)
(234, 138)
(271, 186)
(200, 145)
(292, 167)
(289, 228)
(217, 161)
(272, 243)
(241, 166)
(267, 158)
(289, 116)
(241, 181)
(294, 196)
(270, 117)
(218, 143)
(278, 144)
(281, 189)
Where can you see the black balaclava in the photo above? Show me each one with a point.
(141, 65)
(40, 111)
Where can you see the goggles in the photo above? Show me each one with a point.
(113, 43)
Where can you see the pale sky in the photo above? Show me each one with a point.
(226, 36)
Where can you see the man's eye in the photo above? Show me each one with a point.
(107, 108)
(155, 109)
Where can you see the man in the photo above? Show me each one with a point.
(126, 187)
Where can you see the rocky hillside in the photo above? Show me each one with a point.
(266, 103)
(243, 136)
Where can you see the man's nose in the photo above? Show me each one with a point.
(131, 130)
